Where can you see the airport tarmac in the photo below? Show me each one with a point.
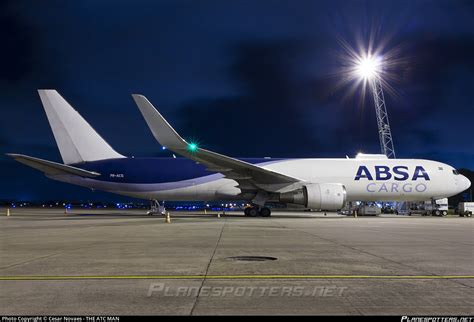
(122, 262)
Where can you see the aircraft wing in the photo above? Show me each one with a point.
(249, 176)
(52, 168)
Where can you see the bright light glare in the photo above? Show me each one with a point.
(192, 147)
(368, 67)
(367, 61)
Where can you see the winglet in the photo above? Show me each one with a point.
(161, 129)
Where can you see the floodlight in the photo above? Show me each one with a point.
(368, 67)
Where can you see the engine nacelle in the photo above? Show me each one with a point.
(323, 196)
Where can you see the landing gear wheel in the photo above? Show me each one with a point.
(265, 212)
(253, 212)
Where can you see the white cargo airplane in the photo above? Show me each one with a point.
(203, 175)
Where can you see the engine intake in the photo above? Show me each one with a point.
(323, 196)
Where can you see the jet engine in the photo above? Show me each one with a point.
(323, 196)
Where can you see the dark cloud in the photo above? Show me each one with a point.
(267, 117)
(3, 139)
(18, 45)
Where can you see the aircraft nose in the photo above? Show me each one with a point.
(465, 183)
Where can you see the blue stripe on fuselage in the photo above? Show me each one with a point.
(151, 170)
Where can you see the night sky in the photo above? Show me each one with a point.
(244, 78)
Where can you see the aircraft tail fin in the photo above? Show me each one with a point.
(77, 141)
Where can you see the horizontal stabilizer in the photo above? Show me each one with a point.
(52, 168)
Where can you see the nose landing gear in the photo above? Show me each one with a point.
(156, 208)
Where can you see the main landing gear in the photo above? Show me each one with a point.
(256, 211)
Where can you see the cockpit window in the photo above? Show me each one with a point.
(455, 172)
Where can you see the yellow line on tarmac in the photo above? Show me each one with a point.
(223, 277)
